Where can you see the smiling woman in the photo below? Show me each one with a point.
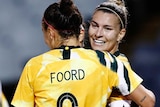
(107, 29)
(108, 26)
(68, 73)
(20, 37)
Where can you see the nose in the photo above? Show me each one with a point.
(99, 32)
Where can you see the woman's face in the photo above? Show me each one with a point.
(104, 31)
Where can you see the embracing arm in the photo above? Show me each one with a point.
(142, 97)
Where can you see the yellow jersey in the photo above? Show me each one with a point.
(116, 94)
(72, 77)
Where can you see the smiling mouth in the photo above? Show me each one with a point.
(99, 42)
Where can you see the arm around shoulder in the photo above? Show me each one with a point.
(143, 97)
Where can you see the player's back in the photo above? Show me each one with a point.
(69, 77)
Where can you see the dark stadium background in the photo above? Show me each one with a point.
(21, 38)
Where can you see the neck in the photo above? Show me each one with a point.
(72, 41)
(114, 49)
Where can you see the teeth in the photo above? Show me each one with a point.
(99, 42)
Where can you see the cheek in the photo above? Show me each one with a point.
(91, 31)
(110, 36)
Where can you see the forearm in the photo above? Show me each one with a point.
(143, 97)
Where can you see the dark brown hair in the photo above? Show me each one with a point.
(116, 7)
(65, 17)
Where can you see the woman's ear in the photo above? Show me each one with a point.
(81, 37)
(121, 35)
(50, 33)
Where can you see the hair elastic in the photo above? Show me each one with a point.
(68, 31)
(44, 20)
(113, 12)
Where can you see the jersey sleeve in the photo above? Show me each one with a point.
(135, 79)
(128, 80)
(24, 96)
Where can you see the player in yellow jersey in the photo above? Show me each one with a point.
(3, 100)
(107, 29)
(70, 76)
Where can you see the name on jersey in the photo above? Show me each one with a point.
(73, 74)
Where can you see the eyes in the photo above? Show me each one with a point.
(95, 25)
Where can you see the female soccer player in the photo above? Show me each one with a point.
(106, 31)
(70, 76)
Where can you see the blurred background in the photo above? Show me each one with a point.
(21, 38)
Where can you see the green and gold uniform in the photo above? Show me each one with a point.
(72, 77)
(116, 98)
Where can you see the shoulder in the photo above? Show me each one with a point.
(122, 57)
(44, 57)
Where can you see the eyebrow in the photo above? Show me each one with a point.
(92, 21)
